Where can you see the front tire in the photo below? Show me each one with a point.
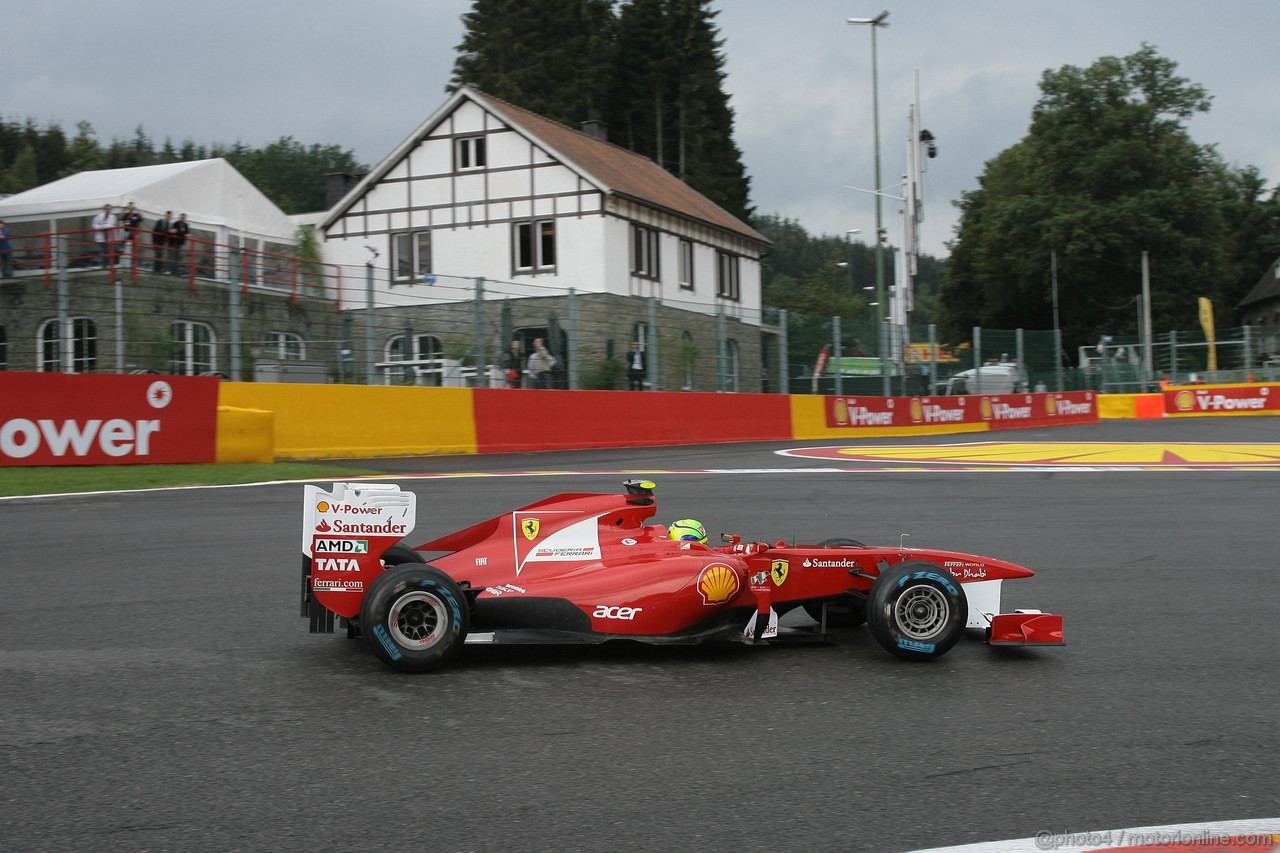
(414, 618)
(917, 610)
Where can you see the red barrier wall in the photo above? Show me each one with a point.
(1223, 400)
(520, 420)
(998, 411)
(87, 419)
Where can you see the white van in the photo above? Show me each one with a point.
(1003, 378)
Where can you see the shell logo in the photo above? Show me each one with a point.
(986, 409)
(842, 410)
(1050, 405)
(917, 410)
(323, 506)
(717, 584)
(1184, 401)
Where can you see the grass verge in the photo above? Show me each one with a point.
(58, 480)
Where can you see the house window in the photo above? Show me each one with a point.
(535, 249)
(644, 251)
(84, 346)
(727, 276)
(468, 153)
(686, 265)
(426, 353)
(285, 346)
(410, 256)
(194, 348)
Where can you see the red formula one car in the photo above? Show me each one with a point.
(586, 568)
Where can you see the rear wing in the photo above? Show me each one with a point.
(345, 532)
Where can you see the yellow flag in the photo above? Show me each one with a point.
(1206, 323)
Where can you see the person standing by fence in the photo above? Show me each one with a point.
(6, 251)
(160, 240)
(104, 234)
(636, 367)
(177, 239)
(512, 364)
(540, 364)
(131, 220)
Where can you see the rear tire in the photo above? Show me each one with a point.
(917, 610)
(399, 555)
(414, 618)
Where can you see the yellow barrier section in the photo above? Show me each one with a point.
(809, 420)
(245, 435)
(1116, 406)
(332, 421)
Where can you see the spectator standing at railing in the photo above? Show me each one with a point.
(512, 363)
(6, 251)
(104, 234)
(636, 368)
(131, 219)
(160, 239)
(177, 239)
(540, 364)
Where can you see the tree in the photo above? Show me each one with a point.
(1106, 171)
(548, 57)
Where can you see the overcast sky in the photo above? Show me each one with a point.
(364, 75)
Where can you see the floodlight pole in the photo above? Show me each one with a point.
(875, 23)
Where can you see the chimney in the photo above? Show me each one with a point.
(337, 185)
(596, 129)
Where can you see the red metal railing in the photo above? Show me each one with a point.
(194, 260)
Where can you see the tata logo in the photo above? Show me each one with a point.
(336, 564)
(779, 571)
(530, 527)
(604, 611)
(341, 546)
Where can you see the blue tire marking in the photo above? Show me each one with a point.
(385, 638)
(913, 646)
(928, 576)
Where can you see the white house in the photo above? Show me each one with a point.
(486, 189)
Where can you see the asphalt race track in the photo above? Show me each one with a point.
(159, 692)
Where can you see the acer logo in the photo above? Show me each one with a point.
(20, 437)
(604, 611)
(336, 564)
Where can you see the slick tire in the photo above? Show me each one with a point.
(414, 618)
(917, 610)
(848, 611)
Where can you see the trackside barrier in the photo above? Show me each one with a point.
(828, 417)
(516, 421)
(108, 419)
(245, 435)
(1210, 400)
(334, 421)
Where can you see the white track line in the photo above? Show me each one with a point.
(1217, 835)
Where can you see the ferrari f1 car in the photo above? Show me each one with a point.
(588, 568)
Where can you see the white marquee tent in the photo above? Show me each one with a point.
(216, 198)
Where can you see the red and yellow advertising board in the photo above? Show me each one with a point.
(1223, 400)
(997, 411)
(86, 419)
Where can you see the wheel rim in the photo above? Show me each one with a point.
(417, 620)
(921, 611)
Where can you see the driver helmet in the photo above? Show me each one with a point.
(688, 530)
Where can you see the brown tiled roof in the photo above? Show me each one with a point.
(1267, 288)
(622, 172)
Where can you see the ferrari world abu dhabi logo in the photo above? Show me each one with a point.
(1184, 401)
(778, 570)
(717, 584)
(530, 527)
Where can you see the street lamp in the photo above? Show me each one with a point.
(848, 240)
(876, 23)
